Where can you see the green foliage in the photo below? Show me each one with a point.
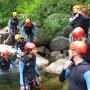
(5, 12)
(56, 21)
(87, 5)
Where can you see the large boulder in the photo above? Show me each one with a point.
(41, 62)
(64, 32)
(41, 50)
(59, 43)
(55, 67)
(67, 30)
(54, 53)
(3, 34)
(41, 38)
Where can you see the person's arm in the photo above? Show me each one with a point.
(72, 19)
(19, 25)
(9, 23)
(64, 75)
(66, 71)
(87, 79)
(37, 71)
(13, 64)
(34, 29)
(17, 46)
(21, 67)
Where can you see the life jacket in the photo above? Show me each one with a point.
(29, 67)
(14, 23)
(29, 30)
(21, 45)
(76, 80)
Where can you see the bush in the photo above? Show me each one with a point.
(5, 11)
(87, 5)
(56, 21)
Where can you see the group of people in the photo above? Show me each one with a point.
(28, 70)
(77, 69)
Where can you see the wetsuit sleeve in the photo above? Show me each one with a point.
(19, 24)
(64, 75)
(34, 29)
(87, 79)
(13, 63)
(72, 19)
(9, 23)
(37, 71)
(21, 67)
(16, 45)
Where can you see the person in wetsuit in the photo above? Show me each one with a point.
(14, 27)
(77, 70)
(27, 66)
(20, 42)
(29, 29)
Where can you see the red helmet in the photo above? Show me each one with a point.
(77, 32)
(5, 53)
(29, 46)
(84, 11)
(28, 22)
(79, 46)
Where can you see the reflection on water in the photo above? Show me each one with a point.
(9, 81)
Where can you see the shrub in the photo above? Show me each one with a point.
(56, 21)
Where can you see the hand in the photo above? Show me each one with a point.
(80, 12)
(39, 79)
(22, 88)
(67, 64)
(76, 15)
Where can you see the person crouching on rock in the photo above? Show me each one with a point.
(14, 28)
(20, 42)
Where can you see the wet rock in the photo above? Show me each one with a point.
(41, 50)
(67, 30)
(41, 38)
(47, 51)
(55, 67)
(41, 62)
(65, 52)
(59, 56)
(59, 43)
(3, 34)
(54, 53)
